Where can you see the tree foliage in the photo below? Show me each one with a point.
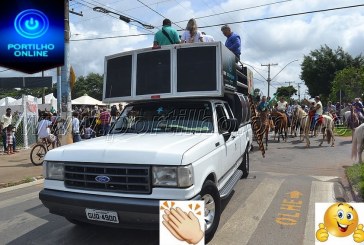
(91, 85)
(319, 68)
(351, 83)
(286, 91)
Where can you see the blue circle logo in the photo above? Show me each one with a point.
(31, 23)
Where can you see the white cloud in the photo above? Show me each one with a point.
(270, 41)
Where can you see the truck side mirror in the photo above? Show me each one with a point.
(232, 125)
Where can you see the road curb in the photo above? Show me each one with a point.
(356, 196)
(11, 188)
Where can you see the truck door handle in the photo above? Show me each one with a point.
(217, 144)
(232, 137)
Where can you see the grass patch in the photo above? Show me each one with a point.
(23, 181)
(355, 175)
(342, 131)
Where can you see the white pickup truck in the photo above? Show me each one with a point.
(183, 148)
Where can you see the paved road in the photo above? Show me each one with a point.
(275, 205)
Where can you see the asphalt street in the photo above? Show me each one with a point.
(274, 205)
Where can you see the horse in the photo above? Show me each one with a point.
(296, 121)
(327, 129)
(302, 119)
(264, 125)
(357, 143)
(352, 120)
(280, 124)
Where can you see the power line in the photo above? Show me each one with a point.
(236, 10)
(244, 21)
(100, 38)
(286, 15)
(156, 12)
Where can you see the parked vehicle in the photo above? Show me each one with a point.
(185, 136)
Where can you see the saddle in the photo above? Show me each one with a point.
(311, 114)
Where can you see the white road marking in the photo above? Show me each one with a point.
(320, 192)
(250, 213)
(18, 199)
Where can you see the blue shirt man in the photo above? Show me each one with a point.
(263, 105)
(233, 41)
(167, 35)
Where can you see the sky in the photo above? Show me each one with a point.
(274, 41)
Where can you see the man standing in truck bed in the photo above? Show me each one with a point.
(233, 41)
(166, 36)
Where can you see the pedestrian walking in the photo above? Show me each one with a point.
(105, 121)
(6, 120)
(75, 127)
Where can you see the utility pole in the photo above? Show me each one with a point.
(289, 83)
(64, 89)
(268, 79)
(299, 91)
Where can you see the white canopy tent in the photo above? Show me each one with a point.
(86, 100)
(6, 101)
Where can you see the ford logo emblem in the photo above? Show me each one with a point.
(102, 179)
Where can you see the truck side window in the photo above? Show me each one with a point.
(221, 118)
(228, 110)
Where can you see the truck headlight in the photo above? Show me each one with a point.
(54, 170)
(180, 176)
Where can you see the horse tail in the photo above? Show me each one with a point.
(329, 134)
(354, 146)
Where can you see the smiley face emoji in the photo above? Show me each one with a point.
(341, 219)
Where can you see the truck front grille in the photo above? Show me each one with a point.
(133, 179)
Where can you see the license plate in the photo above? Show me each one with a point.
(101, 215)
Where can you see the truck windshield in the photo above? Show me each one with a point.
(165, 116)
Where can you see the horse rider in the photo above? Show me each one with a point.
(331, 110)
(317, 109)
(282, 106)
(263, 104)
(358, 108)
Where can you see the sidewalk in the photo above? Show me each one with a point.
(17, 168)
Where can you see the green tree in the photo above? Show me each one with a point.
(351, 83)
(91, 85)
(319, 68)
(286, 91)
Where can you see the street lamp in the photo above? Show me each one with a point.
(270, 79)
(122, 17)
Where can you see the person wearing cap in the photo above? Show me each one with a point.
(233, 41)
(166, 36)
(6, 120)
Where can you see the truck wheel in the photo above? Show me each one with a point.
(210, 195)
(244, 166)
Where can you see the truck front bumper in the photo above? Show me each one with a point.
(133, 213)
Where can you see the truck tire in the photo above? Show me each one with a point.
(211, 196)
(244, 166)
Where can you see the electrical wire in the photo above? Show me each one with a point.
(247, 21)
(236, 10)
(157, 12)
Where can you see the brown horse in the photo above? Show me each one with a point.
(280, 124)
(264, 125)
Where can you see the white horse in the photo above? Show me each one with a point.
(327, 128)
(357, 145)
